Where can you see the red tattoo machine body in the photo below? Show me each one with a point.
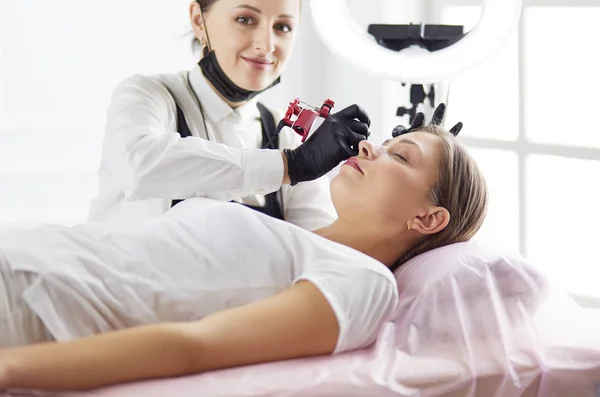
(300, 116)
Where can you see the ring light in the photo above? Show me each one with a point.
(345, 38)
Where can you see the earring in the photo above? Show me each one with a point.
(409, 226)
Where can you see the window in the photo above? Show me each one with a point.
(562, 219)
(562, 66)
(529, 115)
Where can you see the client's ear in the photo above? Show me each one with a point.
(434, 221)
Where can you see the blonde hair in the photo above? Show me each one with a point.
(461, 189)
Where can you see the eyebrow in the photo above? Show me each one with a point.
(405, 140)
(258, 11)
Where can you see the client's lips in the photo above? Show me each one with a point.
(353, 162)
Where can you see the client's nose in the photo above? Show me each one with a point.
(368, 149)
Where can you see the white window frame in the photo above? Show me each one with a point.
(522, 146)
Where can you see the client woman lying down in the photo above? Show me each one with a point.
(213, 285)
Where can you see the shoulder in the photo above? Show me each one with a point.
(329, 257)
(151, 86)
(361, 291)
(352, 267)
(138, 82)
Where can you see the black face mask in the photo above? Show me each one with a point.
(223, 84)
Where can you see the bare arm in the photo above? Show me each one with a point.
(295, 323)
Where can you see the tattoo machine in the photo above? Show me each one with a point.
(300, 117)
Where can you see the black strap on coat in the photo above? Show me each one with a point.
(272, 205)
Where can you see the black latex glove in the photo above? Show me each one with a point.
(334, 141)
(419, 122)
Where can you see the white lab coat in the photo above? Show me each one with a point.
(146, 164)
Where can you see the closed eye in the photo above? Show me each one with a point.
(401, 157)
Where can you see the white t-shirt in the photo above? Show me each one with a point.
(201, 257)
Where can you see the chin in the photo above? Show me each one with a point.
(347, 201)
(254, 80)
(256, 84)
(339, 188)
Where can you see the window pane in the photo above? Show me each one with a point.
(501, 227)
(492, 85)
(561, 75)
(563, 218)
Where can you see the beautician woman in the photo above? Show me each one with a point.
(203, 133)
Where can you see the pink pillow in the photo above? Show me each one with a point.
(463, 285)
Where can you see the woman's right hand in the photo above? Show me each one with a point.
(334, 141)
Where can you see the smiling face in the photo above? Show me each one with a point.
(252, 39)
(390, 183)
